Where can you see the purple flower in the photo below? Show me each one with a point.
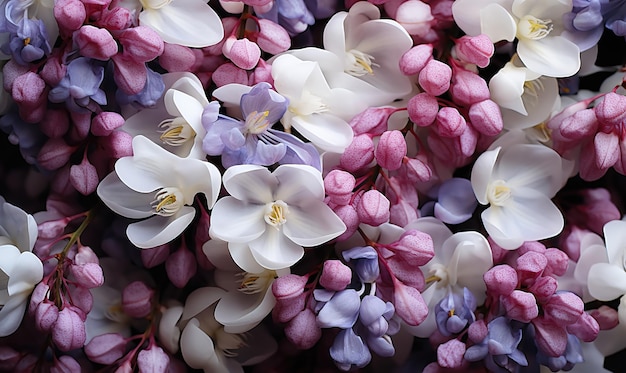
(293, 15)
(455, 201)
(28, 42)
(364, 261)
(26, 135)
(376, 323)
(349, 350)
(149, 95)
(499, 348)
(614, 13)
(337, 309)
(455, 311)
(80, 87)
(573, 355)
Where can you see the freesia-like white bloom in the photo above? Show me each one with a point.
(157, 184)
(20, 269)
(537, 25)
(270, 216)
(460, 260)
(518, 182)
(175, 122)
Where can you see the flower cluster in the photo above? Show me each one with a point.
(327, 185)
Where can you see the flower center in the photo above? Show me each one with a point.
(276, 213)
(257, 122)
(228, 343)
(167, 201)
(308, 104)
(438, 273)
(359, 63)
(530, 27)
(253, 283)
(176, 131)
(498, 193)
(154, 4)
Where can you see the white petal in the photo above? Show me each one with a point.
(507, 87)
(241, 254)
(312, 225)
(327, 131)
(466, 13)
(240, 312)
(217, 252)
(12, 313)
(298, 184)
(250, 183)
(551, 56)
(191, 23)
(497, 23)
(197, 347)
(538, 106)
(291, 74)
(158, 230)
(201, 299)
(145, 171)
(275, 251)
(26, 272)
(181, 104)
(191, 85)
(606, 281)
(589, 255)
(123, 200)
(8, 256)
(169, 334)
(471, 259)
(20, 227)
(231, 94)
(236, 221)
(482, 174)
(615, 237)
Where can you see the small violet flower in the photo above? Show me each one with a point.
(28, 43)
(499, 348)
(454, 312)
(80, 87)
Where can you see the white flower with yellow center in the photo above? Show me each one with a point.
(518, 182)
(160, 186)
(270, 216)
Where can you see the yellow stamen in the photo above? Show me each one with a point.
(26, 41)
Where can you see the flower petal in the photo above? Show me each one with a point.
(313, 224)
(481, 174)
(197, 348)
(26, 272)
(606, 281)
(201, 299)
(235, 221)
(158, 230)
(615, 237)
(298, 184)
(240, 312)
(275, 251)
(497, 23)
(250, 183)
(327, 131)
(552, 56)
(12, 313)
(123, 200)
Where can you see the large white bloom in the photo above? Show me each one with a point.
(518, 182)
(537, 24)
(270, 216)
(20, 269)
(157, 184)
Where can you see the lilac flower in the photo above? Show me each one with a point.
(27, 136)
(28, 42)
(584, 24)
(80, 87)
(337, 309)
(149, 95)
(364, 261)
(349, 350)
(455, 311)
(455, 202)
(376, 323)
(614, 12)
(293, 15)
(253, 141)
(499, 348)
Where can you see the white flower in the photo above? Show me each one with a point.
(20, 269)
(270, 216)
(157, 184)
(537, 24)
(460, 261)
(518, 182)
(319, 113)
(175, 122)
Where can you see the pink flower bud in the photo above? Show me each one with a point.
(435, 77)
(88, 275)
(69, 14)
(414, 60)
(181, 266)
(564, 308)
(286, 309)
(477, 331)
(475, 49)
(82, 300)
(415, 17)
(415, 248)
(372, 121)
(520, 306)
(46, 315)
(262, 73)
(68, 332)
(54, 154)
(468, 88)
(402, 213)
(106, 122)
(450, 123)
(358, 154)
(373, 208)
(543, 288)
(611, 111)
(350, 218)
(153, 360)
(302, 330)
(391, 149)
(141, 43)
(410, 305)
(84, 177)
(65, 364)
(530, 265)
(53, 71)
(607, 149)
(137, 299)
(118, 18)
(55, 123)
(486, 117)
(52, 228)
(417, 171)
(606, 317)
(423, 109)
(557, 262)
(272, 37)
(27, 90)
(586, 328)
(550, 337)
(85, 255)
(117, 145)
(155, 256)
(580, 125)
(338, 185)
(335, 275)
(288, 286)
(450, 354)
(228, 73)
(242, 52)
(80, 128)
(129, 74)
(40, 293)
(176, 58)
(106, 348)
(501, 279)
(95, 42)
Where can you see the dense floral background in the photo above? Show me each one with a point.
(312, 185)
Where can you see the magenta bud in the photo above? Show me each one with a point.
(435, 77)
(129, 75)
(606, 317)
(423, 109)
(272, 37)
(228, 73)
(153, 360)
(417, 171)
(106, 348)
(40, 293)
(118, 18)
(579, 125)
(501, 279)
(415, 248)
(450, 354)
(372, 121)
(95, 42)
(391, 149)
(610, 111)
(607, 149)
(106, 122)
(373, 208)
(82, 300)
(477, 331)
(262, 73)
(550, 337)
(286, 309)
(486, 117)
(242, 52)
(543, 288)
(69, 14)
(338, 185)
(302, 330)
(414, 60)
(410, 305)
(288, 286)
(137, 299)
(52, 228)
(449, 122)
(358, 154)
(181, 266)
(558, 262)
(54, 154)
(27, 90)
(53, 71)
(55, 123)
(415, 16)
(402, 213)
(475, 49)
(65, 364)
(335, 275)
(155, 256)
(84, 177)
(350, 218)
(88, 275)
(531, 265)
(85, 255)
(468, 88)
(46, 315)
(118, 144)
(520, 306)
(564, 308)
(177, 58)
(141, 43)
(586, 328)
(68, 333)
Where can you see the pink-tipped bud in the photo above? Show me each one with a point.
(262, 73)
(118, 144)
(106, 122)
(423, 109)
(177, 58)
(85, 255)
(155, 256)
(475, 49)
(402, 213)
(69, 14)
(550, 337)
(242, 52)
(40, 293)
(95, 42)
(449, 122)
(68, 332)
(579, 125)
(611, 110)
(372, 121)
(55, 123)
(141, 43)
(27, 90)
(272, 37)
(153, 360)
(606, 317)
(417, 171)
(288, 286)
(414, 60)
(543, 288)
(435, 77)
(414, 248)
(450, 354)
(520, 306)
(410, 305)
(391, 149)
(607, 149)
(46, 315)
(564, 308)
(468, 88)
(373, 208)
(88, 275)
(335, 275)
(286, 309)
(106, 348)
(137, 299)
(302, 330)
(51, 228)
(181, 266)
(486, 117)
(118, 18)
(84, 177)
(349, 216)
(530, 265)
(228, 73)
(339, 185)
(501, 279)
(358, 154)
(477, 331)
(54, 154)
(558, 262)
(415, 17)
(586, 328)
